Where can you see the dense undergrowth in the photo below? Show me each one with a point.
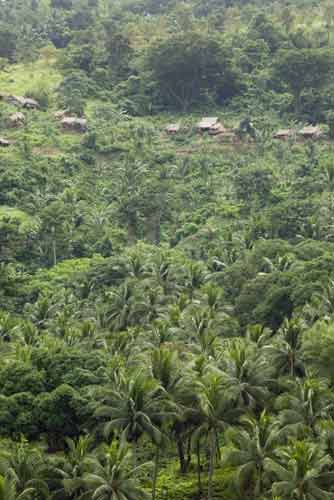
(166, 302)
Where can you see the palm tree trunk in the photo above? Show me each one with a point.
(292, 364)
(54, 248)
(180, 451)
(258, 484)
(155, 472)
(199, 480)
(211, 466)
(157, 228)
(188, 453)
(134, 457)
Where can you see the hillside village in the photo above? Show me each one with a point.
(210, 125)
(166, 250)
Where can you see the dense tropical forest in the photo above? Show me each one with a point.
(166, 295)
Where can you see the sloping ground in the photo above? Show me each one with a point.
(26, 222)
(22, 78)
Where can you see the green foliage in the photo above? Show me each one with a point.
(166, 301)
(192, 67)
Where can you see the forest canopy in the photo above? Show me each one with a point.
(166, 249)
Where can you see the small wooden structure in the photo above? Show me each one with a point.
(20, 101)
(73, 123)
(4, 143)
(173, 128)
(62, 113)
(16, 120)
(217, 129)
(14, 99)
(310, 132)
(207, 123)
(285, 134)
(30, 103)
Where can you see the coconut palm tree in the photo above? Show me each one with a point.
(8, 490)
(194, 277)
(216, 411)
(120, 309)
(148, 304)
(247, 374)
(180, 385)
(72, 467)
(41, 311)
(111, 477)
(161, 332)
(248, 448)
(258, 334)
(161, 273)
(305, 404)
(202, 329)
(285, 350)
(301, 471)
(26, 467)
(136, 265)
(321, 305)
(133, 409)
(8, 327)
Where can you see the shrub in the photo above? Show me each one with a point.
(41, 94)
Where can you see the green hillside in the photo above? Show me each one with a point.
(166, 294)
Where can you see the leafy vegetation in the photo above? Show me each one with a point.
(166, 300)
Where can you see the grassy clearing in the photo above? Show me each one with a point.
(21, 78)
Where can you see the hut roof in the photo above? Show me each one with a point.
(25, 102)
(4, 142)
(173, 127)
(73, 120)
(284, 132)
(217, 128)
(16, 99)
(207, 122)
(310, 130)
(30, 103)
(17, 116)
(62, 113)
(74, 123)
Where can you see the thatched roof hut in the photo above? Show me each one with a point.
(217, 129)
(173, 128)
(206, 123)
(14, 99)
(310, 132)
(62, 113)
(285, 134)
(20, 101)
(74, 123)
(30, 103)
(16, 120)
(4, 143)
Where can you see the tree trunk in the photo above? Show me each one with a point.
(155, 472)
(180, 451)
(297, 102)
(188, 453)
(54, 248)
(211, 467)
(157, 229)
(198, 454)
(292, 364)
(258, 484)
(54, 252)
(134, 457)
